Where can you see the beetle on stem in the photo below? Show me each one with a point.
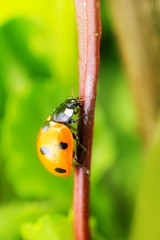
(55, 140)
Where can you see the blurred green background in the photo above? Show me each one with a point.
(38, 69)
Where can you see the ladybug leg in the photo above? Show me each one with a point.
(76, 138)
(80, 165)
(75, 111)
(71, 121)
(71, 127)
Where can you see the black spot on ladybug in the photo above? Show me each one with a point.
(44, 150)
(46, 126)
(60, 170)
(62, 145)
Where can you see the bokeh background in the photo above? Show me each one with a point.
(38, 69)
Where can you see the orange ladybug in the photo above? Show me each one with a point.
(55, 140)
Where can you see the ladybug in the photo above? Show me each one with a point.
(55, 140)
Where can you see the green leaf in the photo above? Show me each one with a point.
(34, 89)
(21, 125)
(57, 227)
(14, 214)
(147, 217)
(58, 19)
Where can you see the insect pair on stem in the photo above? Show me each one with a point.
(55, 140)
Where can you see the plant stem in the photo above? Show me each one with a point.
(137, 30)
(89, 34)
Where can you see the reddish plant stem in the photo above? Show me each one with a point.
(89, 34)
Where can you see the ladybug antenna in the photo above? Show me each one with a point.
(81, 100)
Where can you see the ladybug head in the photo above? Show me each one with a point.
(72, 103)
